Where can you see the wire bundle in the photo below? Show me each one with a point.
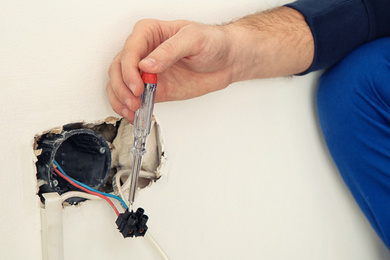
(92, 192)
(122, 190)
(58, 170)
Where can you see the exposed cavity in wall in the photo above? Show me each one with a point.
(119, 137)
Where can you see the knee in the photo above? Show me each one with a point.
(363, 74)
(353, 102)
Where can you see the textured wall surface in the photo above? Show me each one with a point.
(249, 181)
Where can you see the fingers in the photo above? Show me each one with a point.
(121, 98)
(138, 45)
(124, 72)
(123, 92)
(163, 44)
(180, 45)
(130, 74)
(117, 106)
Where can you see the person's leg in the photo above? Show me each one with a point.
(353, 105)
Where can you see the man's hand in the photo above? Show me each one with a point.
(190, 59)
(193, 59)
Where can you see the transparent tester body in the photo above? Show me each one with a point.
(141, 129)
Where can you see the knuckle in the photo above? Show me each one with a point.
(145, 23)
(192, 29)
(168, 47)
(114, 65)
(111, 91)
(109, 71)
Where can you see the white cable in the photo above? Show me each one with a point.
(119, 175)
(41, 182)
(148, 237)
(126, 186)
(117, 184)
(147, 175)
(72, 194)
(142, 174)
(121, 189)
(156, 247)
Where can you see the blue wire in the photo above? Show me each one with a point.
(91, 189)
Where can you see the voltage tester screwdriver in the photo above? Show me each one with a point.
(141, 130)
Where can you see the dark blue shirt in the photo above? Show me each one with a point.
(339, 26)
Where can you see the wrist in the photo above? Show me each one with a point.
(270, 44)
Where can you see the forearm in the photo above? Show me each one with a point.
(193, 59)
(274, 43)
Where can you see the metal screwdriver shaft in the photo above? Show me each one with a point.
(141, 130)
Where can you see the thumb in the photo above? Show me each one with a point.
(169, 52)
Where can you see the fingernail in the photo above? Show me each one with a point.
(132, 87)
(149, 62)
(125, 113)
(128, 103)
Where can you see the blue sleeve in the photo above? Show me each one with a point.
(339, 26)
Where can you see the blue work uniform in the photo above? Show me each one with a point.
(353, 100)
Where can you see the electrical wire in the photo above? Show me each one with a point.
(93, 194)
(92, 189)
(85, 189)
(142, 174)
(125, 187)
(116, 183)
(157, 248)
(79, 194)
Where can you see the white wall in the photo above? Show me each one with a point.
(249, 181)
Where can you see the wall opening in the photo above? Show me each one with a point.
(96, 154)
